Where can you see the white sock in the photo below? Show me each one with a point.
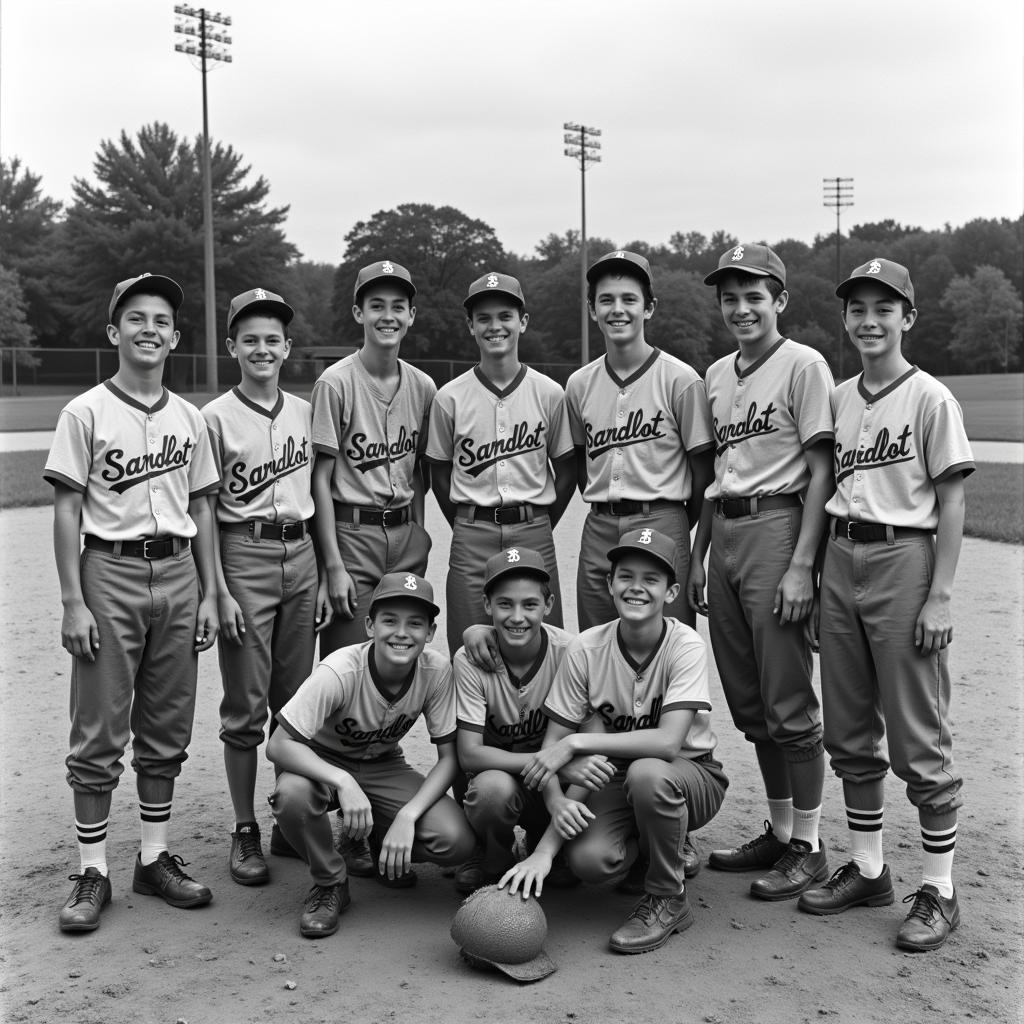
(939, 847)
(155, 819)
(805, 826)
(92, 845)
(781, 813)
(866, 840)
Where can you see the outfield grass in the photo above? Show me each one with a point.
(993, 405)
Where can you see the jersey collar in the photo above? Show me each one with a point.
(524, 680)
(636, 374)
(760, 362)
(888, 389)
(256, 407)
(637, 666)
(134, 403)
(378, 682)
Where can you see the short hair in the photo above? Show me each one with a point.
(662, 568)
(472, 303)
(905, 304)
(622, 269)
(119, 308)
(375, 607)
(518, 574)
(249, 312)
(774, 285)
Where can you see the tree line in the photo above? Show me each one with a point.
(143, 209)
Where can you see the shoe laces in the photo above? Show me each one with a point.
(647, 909)
(87, 888)
(248, 844)
(793, 857)
(926, 905)
(843, 876)
(321, 897)
(766, 837)
(173, 864)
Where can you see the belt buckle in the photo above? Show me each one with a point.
(390, 517)
(289, 531)
(848, 528)
(617, 508)
(145, 548)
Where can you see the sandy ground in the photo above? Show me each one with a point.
(241, 958)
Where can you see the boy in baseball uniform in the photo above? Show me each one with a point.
(338, 748)
(901, 455)
(266, 567)
(764, 517)
(370, 417)
(131, 467)
(501, 719)
(502, 463)
(644, 679)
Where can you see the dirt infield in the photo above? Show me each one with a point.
(242, 959)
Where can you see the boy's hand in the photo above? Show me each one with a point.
(342, 590)
(696, 579)
(356, 813)
(545, 763)
(571, 818)
(529, 872)
(591, 771)
(481, 643)
(793, 595)
(79, 634)
(324, 614)
(207, 626)
(229, 614)
(933, 629)
(396, 848)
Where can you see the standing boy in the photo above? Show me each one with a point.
(901, 456)
(131, 467)
(338, 748)
(501, 453)
(370, 414)
(266, 567)
(764, 517)
(644, 680)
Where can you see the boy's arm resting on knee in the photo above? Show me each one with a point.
(79, 634)
(477, 756)
(933, 629)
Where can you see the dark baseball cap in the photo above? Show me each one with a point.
(494, 284)
(383, 270)
(259, 300)
(618, 261)
(406, 585)
(647, 542)
(893, 275)
(759, 260)
(147, 284)
(514, 560)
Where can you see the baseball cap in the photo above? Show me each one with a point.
(892, 275)
(517, 560)
(383, 270)
(495, 284)
(648, 542)
(621, 259)
(759, 260)
(148, 284)
(264, 301)
(407, 585)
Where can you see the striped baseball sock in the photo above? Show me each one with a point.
(938, 839)
(781, 814)
(155, 819)
(866, 840)
(805, 825)
(92, 845)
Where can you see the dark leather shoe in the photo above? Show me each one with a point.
(246, 862)
(90, 895)
(323, 905)
(931, 919)
(357, 856)
(165, 878)
(279, 846)
(651, 923)
(796, 871)
(691, 858)
(761, 852)
(470, 875)
(848, 888)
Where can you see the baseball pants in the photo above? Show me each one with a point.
(495, 802)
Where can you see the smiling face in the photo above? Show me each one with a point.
(876, 320)
(749, 310)
(640, 588)
(385, 313)
(143, 331)
(518, 606)
(260, 346)
(496, 324)
(619, 309)
(400, 628)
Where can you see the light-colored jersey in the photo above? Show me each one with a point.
(375, 442)
(508, 712)
(340, 710)
(765, 417)
(137, 468)
(500, 441)
(264, 456)
(598, 678)
(638, 432)
(893, 447)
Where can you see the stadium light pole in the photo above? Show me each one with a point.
(838, 193)
(580, 145)
(204, 38)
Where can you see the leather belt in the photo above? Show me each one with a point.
(867, 533)
(631, 508)
(502, 515)
(267, 531)
(372, 516)
(151, 548)
(734, 508)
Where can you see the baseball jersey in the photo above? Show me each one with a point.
(598, 677)
(508, 711)
(264, 457)
(500, 440)
(137, 467)
(637, 432)
(765, 417)
(341, 712)
(375, 441)
(891, 449)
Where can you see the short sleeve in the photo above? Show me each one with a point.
(439, 708)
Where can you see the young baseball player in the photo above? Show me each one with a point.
(502, 462)
(501, 719)
(338, 749)
(901, 456)
(764, 517)
(131, 467)
(644, 678)
(265, 563)
(370, 416)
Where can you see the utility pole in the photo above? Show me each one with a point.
(580, 146)
(209, 44)
(838, 193)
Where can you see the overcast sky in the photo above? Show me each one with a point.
(714, 114)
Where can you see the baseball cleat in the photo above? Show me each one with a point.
(166, 879)
(651, 922)
(761, 852)
(90, 895)
(848, 888)
(796, 871)
(932, 917)
(246, 862)
(323, 905)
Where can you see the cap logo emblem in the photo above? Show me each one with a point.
(387, 267)
(141, 276)
(492, 280)
(874, 267)
(617, 255)
(645, 536)
(513, 555)
(410, 582)
(259, 293)
(737, 253)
